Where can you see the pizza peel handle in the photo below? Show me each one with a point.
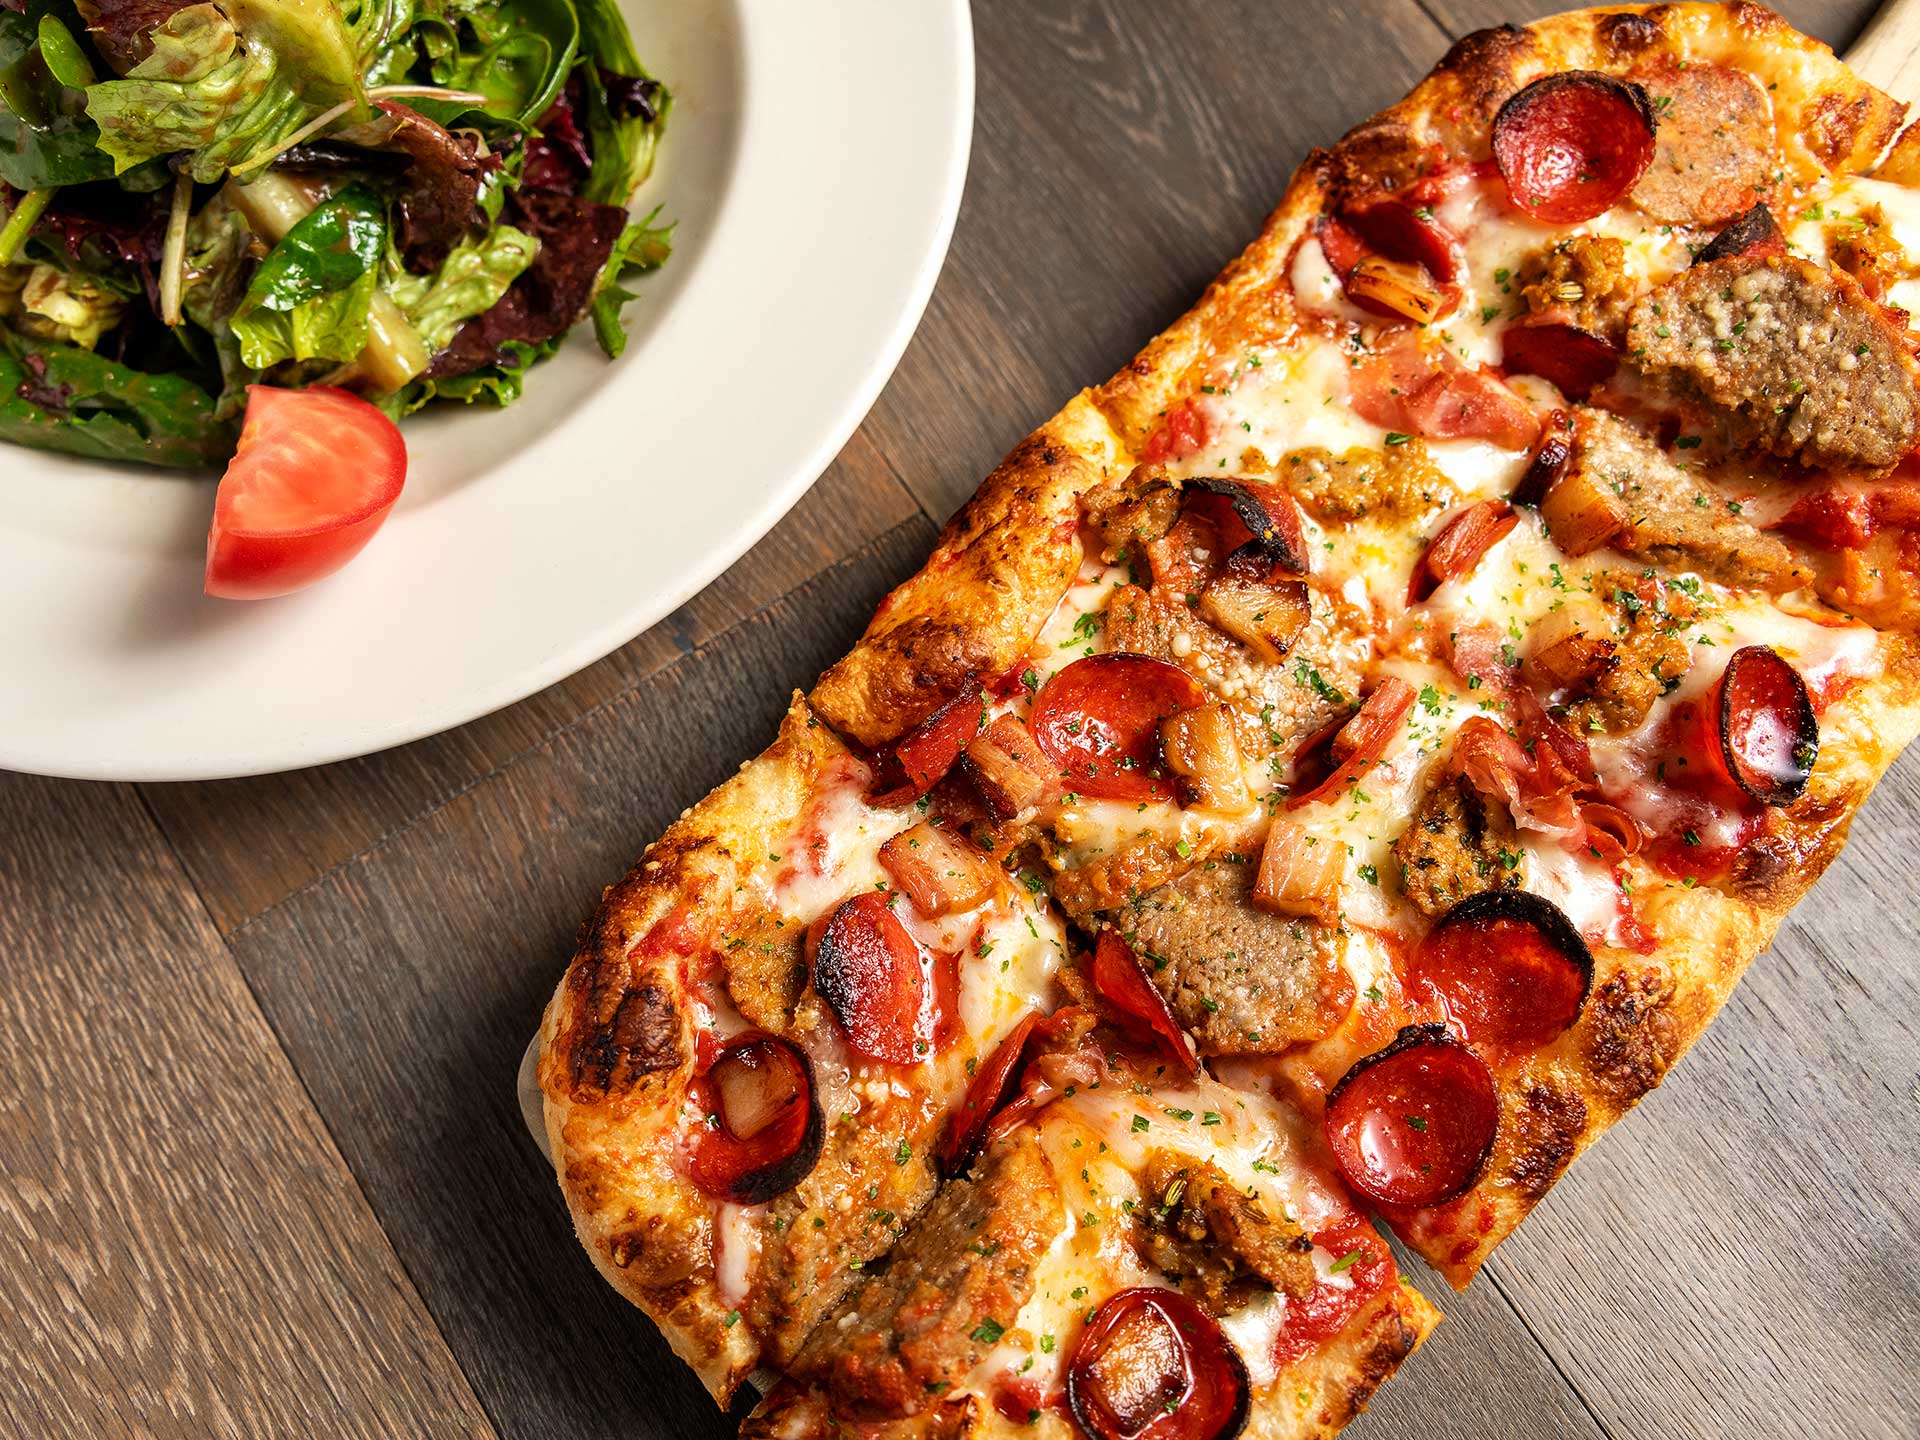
(1887, 54)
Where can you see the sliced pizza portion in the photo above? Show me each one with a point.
(1136, 1251)
(752, 1061)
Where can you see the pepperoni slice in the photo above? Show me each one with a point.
(764, 1127)
(1413, 1124)
(871, 974)
(1752, 234)
(1362, 1268)
(1260, 518)
(1508, 967)
(1571, 146)
(986, 1094)
(1575, 360)
(929, 750)
(1099, 720)
(1152, 1365)
(1122, 982)
(1359, 743)
(1459, 546)
(1769, 735)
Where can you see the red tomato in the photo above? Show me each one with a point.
(315, 475)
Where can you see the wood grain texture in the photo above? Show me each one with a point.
(406, 984)
(250, 843)
(182, 1251)
(1737, 1257)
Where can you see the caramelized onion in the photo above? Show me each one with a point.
(1201, 750)
(1581, 511)
(1400, 287)
(1300, 873)
(940, 873)
(1265, 616)
(1571, 646)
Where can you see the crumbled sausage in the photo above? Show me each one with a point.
(1796, 359)
(1398, 483)
(1456, 845)
(1583, 278)
(1651, 654)
(1219, 1245)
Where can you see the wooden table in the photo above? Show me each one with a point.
(261, 1169)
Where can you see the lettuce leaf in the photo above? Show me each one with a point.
(227, 84)
(44, 139)
(515, 52)
(470, 281)
(310, 297)
(626, 108)
(60, 397)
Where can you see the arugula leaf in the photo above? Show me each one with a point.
(45, 140)
(626, 109)
(310, 297)
(642, 246)
(60, 397)
(470, 280)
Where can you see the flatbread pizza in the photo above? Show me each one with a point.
(1326, 775)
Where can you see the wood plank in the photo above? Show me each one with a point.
(1122, 154)
(1737, 1256)
(406, 984)
(249, 843)
(181, 1248)
(1837, 22)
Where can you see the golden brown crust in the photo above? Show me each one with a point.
(998, 571)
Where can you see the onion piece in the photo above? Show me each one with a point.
(1571, 646)
(1403, 288)
(1265, 616)
(940, 873)
(1581, 511)
(1300, 874)
(1200, 748)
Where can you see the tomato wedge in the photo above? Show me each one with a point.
(991, 1082)
(1152, 1365)
(316, 474)
(1122, 982)
(1360, 742)
(1459, 546)
(1099, 720)
(1413, 1124)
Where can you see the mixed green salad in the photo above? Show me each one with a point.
(412, 199)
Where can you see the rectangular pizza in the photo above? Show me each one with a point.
(1325, 776)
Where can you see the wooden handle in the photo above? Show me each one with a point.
(1887, 54)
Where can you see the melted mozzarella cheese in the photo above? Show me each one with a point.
(834, 849)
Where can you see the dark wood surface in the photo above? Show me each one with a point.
(260, 1165)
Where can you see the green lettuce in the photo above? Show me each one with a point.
(229, 84)
(59, 397)
(515, 52)
(471, 280)
(45, 138)
(642, 246)
(623, 145)
(310, 297)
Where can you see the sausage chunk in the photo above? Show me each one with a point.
(1241, 980)
(1456, 845)
(1670, 517)
(1398, 483)
(913, 1330)
(1217, 1244)
(1651, 656)
(1713, 150)
(1583, 279)
(1797, 360)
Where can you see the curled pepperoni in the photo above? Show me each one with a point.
(1152, 1365)
(1753, 234)
(1549, 462)
(988, 1091)
(929, 750)
(872, 975)
(1356, 747)
(1575, 360)
(1459, 546)
(1571, 146)
(1099, 719)
(1769, 736)
(1508, 967)
(764, 1126)
(1122, 982)
(1258, 515)
(1413, 1124)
